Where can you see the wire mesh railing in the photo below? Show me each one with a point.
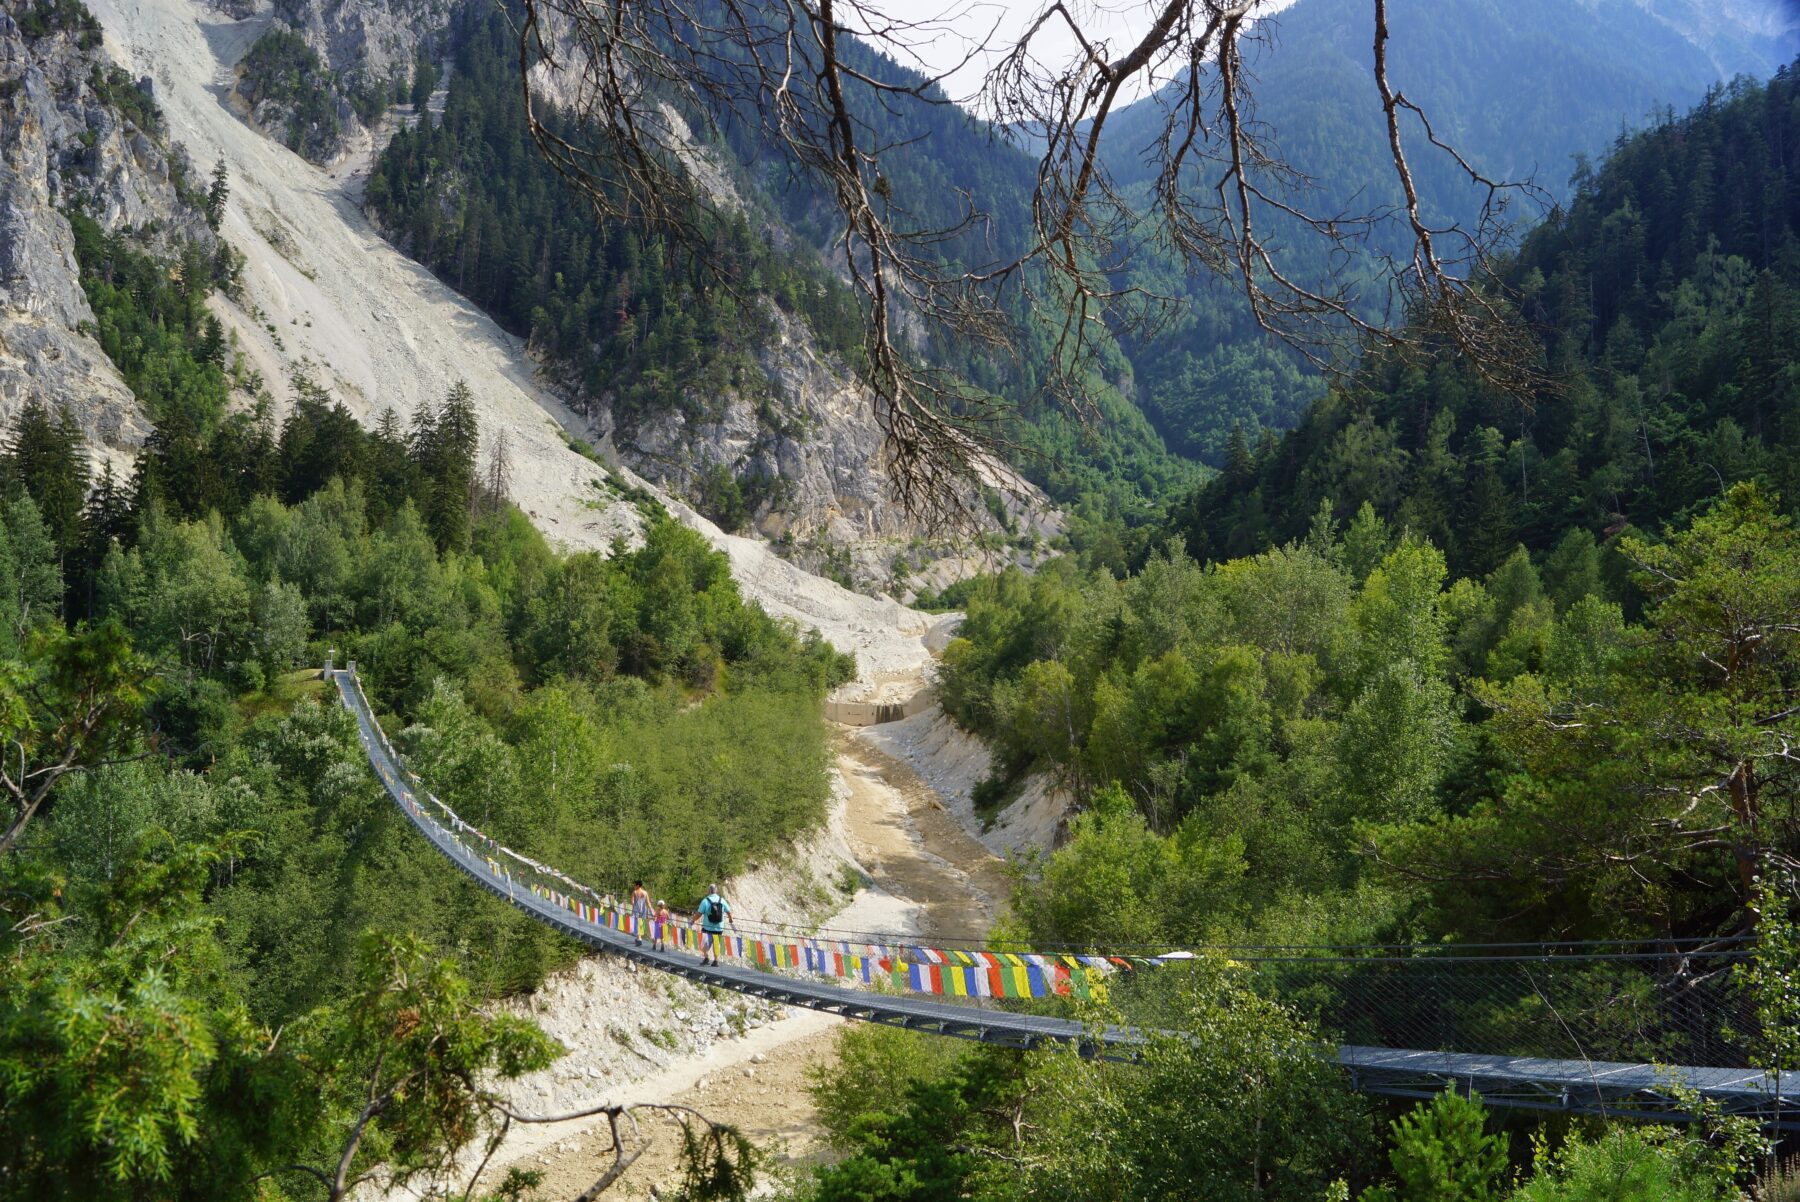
(1674, 1005)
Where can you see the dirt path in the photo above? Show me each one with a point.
(915, 851)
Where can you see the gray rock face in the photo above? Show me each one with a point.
(831, 507)
(379, 38)
(63, 145)
(834, 508)
(237, 10)
(822, 444)
(358, 43)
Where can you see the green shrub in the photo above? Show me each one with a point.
(1627, 1164)
(1442, 1154)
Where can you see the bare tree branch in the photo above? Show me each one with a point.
(613, 88)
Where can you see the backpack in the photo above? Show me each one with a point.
(713, 910)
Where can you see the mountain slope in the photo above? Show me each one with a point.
(1524, 89)
(706, 371)
(74, 131)
(324, 291)
(1667, 299)
(1520, 87)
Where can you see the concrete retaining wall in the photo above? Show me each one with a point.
(874, 713)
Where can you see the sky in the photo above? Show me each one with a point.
(942, 34)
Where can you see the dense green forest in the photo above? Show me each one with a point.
(1328, 713)
(1525, 90)
(1248, 1113)
(1335, 741)
(1401, 676)
(1337, 705)
(218, 938)
(1332, 742)
(471, 201)
(631, 315)
(150, 318)
(234, 806)
(1664, 295)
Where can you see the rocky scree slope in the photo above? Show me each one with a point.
(321, 291)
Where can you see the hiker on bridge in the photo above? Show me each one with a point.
(640, 912)
(712, 915)
(663, 921)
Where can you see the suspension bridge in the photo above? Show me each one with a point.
(1487, 1016)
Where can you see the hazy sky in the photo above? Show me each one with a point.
(947, 31)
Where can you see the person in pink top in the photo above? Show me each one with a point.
(661, 923)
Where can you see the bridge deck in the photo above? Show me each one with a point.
(1594, 1087)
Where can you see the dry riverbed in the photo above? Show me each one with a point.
(929, 876)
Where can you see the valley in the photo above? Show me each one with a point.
(1422, 709)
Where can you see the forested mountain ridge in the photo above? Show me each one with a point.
(1348, 708)
(718, 374)
(1664, 300)
(1209, 352)
(684, 377)
(1524, 91)
(223, 953)
(1442, 666)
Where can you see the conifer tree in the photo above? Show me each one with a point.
(38, 584)
(393, 476)
(497, 477)
(9, 597)
(319, 440)
(216, 196)
(45, 458)
(105, 524)
(425, 77)
(444, 443)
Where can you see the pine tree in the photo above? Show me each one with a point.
(105, 524)
(46, 459)
(393, 476)
(9, 597)
(1239, 468)
(216, 196)
(445, 444)
(211, 348)
(425, 77)
(38, 585)
(497, 479)
(319, 440)
(174, 467)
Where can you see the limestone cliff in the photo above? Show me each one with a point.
(75, 132)
(325, 72)
(806, 468)
(376, 39)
